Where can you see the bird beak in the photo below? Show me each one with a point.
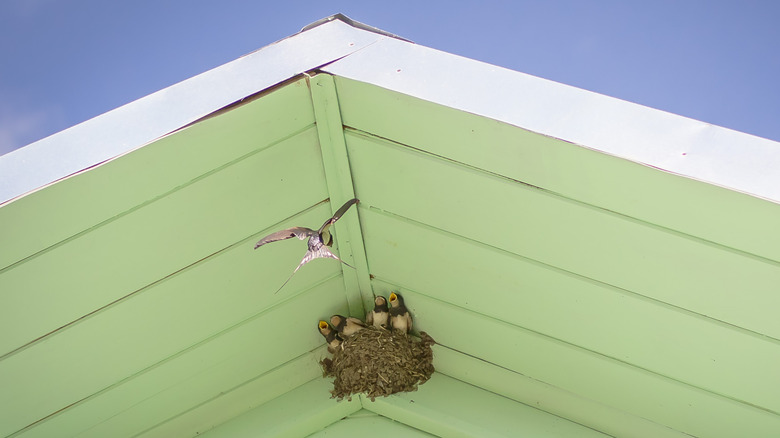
(393, 297)
(323, 325)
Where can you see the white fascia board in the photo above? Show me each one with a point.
(137, 123)
(666, 141)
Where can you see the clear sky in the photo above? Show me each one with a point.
(63, 62)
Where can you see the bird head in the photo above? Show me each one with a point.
(396, 300)
(338, 322)
(380, 303)
(324, 328)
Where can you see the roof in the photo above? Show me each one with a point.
(588, 266)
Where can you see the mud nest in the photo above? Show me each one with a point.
(379, 362)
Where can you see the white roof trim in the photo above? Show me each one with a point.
(133, 125)
(673, 143)
(648, 136)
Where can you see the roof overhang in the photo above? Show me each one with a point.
(570, 289)
(344, 47)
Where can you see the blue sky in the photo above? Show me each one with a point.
(64, 62)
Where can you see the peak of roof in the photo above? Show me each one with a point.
(354, 23)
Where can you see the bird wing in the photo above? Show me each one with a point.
(299, 232)
(354, 320)
(408, 317)
(324, 229)
(370, 318)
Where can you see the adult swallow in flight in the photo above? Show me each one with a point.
(332, 337)
(400, 319)
(346, 326)
(378, 316)
(319, 240)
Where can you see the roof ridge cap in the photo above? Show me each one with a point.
(354, 23)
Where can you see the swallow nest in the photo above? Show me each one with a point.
(379, 362)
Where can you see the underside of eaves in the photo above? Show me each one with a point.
(572, 291)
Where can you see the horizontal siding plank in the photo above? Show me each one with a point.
(667, 341)
(712, 213)
(227, 407)
(124, 255)
(590, 375)
(537, 394)
(204, 371)
(255, 351)
(162, 320)
(590, 242)
(62, 210)
(447, 407)
(365, 422)
(297, 413)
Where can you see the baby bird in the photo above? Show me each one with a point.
(332, 337)
(378, 316)
(346, 326)
(400, 318)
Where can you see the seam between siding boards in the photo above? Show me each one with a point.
(561, 196)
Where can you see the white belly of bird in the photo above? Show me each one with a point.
(399, 323)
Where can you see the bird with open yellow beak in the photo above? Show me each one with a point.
(400, 318)
(331, 336)
(378, 316)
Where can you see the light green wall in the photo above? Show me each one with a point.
(442, 407)
(131, 293)
(622, 298)
(633, 288)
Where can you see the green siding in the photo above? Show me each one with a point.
(596, 317)
(447, 407)
(130, 302)
(570, 291)
(126, 254)
(365, 422)
(442, 407)
(297, 413)
(665, 200)
(578, 238)
(64, 210)
(574, 407)
(636, 289)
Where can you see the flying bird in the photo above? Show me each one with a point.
(378, 316)
(319, 240)
(400, 319)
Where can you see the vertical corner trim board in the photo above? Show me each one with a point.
(338, 175)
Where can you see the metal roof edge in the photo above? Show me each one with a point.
(344, 47)
(355, 24)
(138, 123)
(670, 142)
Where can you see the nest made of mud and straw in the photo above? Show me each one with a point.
(379, 362)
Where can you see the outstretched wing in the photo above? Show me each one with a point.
(324, 229)
(299, 232)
